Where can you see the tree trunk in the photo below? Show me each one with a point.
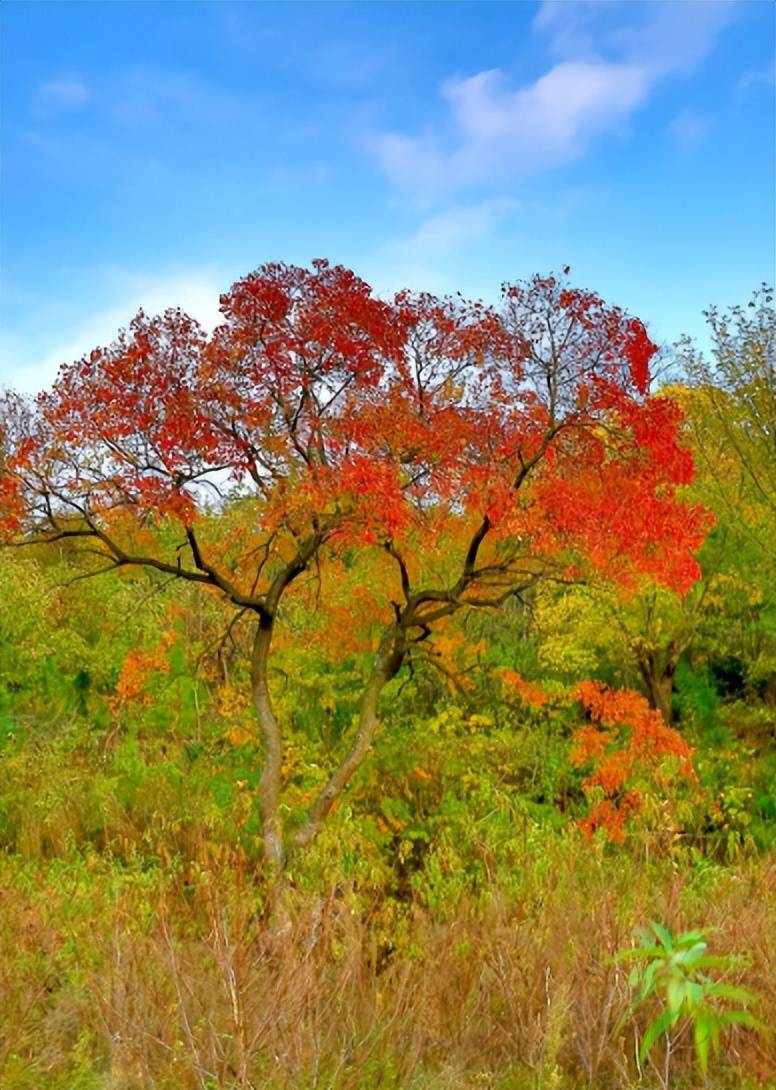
(661, 692)
(659, 682)
(269, 785)
(387, 664)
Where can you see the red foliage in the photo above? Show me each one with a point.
(363, 421)
(11, 507)
(16, 446)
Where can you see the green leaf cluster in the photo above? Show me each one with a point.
(675, 970)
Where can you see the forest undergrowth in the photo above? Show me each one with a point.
(140, 947)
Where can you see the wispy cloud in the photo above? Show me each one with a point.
(492, 130)
(147, 127)
(62, 94)
(574, 28)
(498, 132)
(146, 94)
(460, 225)
(674, 38)
(431, 256)
(660, 37)
(34, 364)
(758, 79)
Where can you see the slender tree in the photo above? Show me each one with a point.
(477, 449)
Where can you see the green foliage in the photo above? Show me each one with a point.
(696, 699)
(675, 971)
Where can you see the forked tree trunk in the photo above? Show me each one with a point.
(387, 664)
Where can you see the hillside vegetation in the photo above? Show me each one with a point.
(372, 678)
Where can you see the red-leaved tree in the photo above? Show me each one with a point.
(478, 449)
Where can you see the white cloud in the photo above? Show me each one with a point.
(431, 257)
(31, 368)
(63, 94)
(501, 133)
(573, 27)
(444, 233)
(493, 131)
(677, 36)
(661, 37)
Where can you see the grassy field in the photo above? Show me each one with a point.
(134, 973)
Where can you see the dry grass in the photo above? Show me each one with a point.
(124, 978)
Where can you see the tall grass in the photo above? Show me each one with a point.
(125, 974)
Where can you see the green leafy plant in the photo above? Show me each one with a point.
(676, 970)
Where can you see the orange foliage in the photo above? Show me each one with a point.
(528, 691)
(611, 816)
(137, 669)
(625, 742)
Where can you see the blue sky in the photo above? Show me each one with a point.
(155, 152)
